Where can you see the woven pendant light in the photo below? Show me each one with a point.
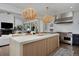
(29, 13)
(47, 18)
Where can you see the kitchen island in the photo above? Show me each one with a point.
(33, 45)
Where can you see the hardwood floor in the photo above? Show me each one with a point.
(4, 51)
(72, 50)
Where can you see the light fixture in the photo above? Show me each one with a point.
(29, 13)
(47, 18)
(71, 7)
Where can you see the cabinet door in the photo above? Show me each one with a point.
(41, 47)
(49, 45)
(52, 44)
(75, 39)
(37, 48)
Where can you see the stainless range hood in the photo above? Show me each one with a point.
(64, 18)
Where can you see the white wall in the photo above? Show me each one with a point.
(18, 21)
(41, 26)
(75, 28)
(4, 17)
(71, 27)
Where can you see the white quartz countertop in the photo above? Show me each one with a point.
(30, 38)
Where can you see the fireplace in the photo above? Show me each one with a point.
(6, 28)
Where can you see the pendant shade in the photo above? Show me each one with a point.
(47, 19)
(29, 13)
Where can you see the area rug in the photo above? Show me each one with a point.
(64, 52)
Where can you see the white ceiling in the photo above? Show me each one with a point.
(54, 8)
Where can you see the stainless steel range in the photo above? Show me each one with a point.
(66, 37)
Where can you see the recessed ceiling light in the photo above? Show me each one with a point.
(70, 7)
